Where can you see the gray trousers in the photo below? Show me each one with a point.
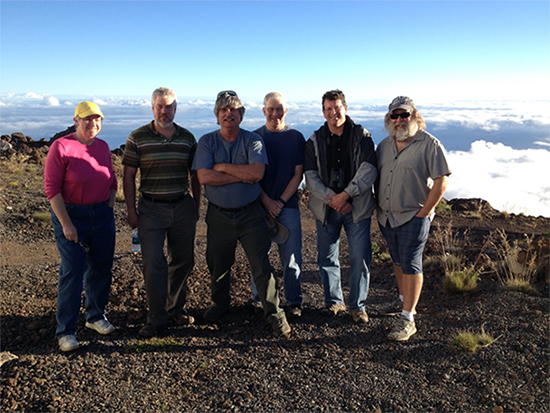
(166, 274)
(250, 229)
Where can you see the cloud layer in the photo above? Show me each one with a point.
(498, 151)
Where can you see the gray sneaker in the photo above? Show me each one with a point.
(403, 330)
(280, 327)
(394, 308)
(102, 326)
(68, 343)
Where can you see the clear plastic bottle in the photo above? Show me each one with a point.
(136, 246)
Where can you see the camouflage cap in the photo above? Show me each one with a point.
(401, 102)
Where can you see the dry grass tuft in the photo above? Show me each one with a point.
(471, 342)
(459, 275)
(517, 262)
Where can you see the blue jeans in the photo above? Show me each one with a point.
(80, 268)
(360, 256)
(290, 254)
(166, 275)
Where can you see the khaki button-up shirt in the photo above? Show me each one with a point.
(405, 177)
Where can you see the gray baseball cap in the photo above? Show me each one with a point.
(401, 102)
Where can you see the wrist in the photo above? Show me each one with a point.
(282, 201)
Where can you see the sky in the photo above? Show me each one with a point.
(432, 50)
(479, 72)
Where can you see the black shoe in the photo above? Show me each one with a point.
(214, 313)
(151, 330)
(183, 319)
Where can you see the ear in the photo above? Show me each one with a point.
(264, 111)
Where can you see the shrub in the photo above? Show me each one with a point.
(471, 342)
(461, 281)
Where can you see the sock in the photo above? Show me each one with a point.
(408, 315)
(401, 297)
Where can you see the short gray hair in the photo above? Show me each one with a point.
(275, 95)
(163, 92)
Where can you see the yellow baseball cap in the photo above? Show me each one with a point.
(87, 108)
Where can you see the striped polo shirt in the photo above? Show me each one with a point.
(163, 163)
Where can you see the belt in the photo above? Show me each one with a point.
(239, 209)
(163, 200)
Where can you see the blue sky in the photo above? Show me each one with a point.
(432, 50)
(479, 72)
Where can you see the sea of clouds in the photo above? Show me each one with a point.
(497, 150)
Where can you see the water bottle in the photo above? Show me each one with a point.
(136, 246)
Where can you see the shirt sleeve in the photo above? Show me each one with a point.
(54, 171)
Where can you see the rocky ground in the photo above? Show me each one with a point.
(328, 364)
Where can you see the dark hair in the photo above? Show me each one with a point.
(333, 95)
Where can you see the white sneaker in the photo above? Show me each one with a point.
(101, 326)
(403, 330)
(68, 343)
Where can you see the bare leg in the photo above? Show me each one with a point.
(399, 277)
(411, 286)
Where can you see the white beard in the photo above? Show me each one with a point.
(401, 135)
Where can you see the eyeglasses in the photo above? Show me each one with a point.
(335, 109)
(226, 92)
(403, 115)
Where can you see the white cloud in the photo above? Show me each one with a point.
(51, 101)
(509, 179)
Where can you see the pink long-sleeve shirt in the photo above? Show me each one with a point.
(82, 174)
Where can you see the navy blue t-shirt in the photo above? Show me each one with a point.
(285, 150)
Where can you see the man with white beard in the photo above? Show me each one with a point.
(413, 175)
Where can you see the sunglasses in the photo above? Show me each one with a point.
(403, 115)
(226, 92)
(84, 246)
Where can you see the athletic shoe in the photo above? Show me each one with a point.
(68, 343)
(394, 308)
(403, 330)
(102, 326)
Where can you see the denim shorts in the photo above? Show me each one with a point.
(406, 243)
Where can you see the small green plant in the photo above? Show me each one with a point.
(42, 216)
(471, 342)
(517, 264)
(14, 184)
(153, 344)
(442, 207)
(461, 281)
